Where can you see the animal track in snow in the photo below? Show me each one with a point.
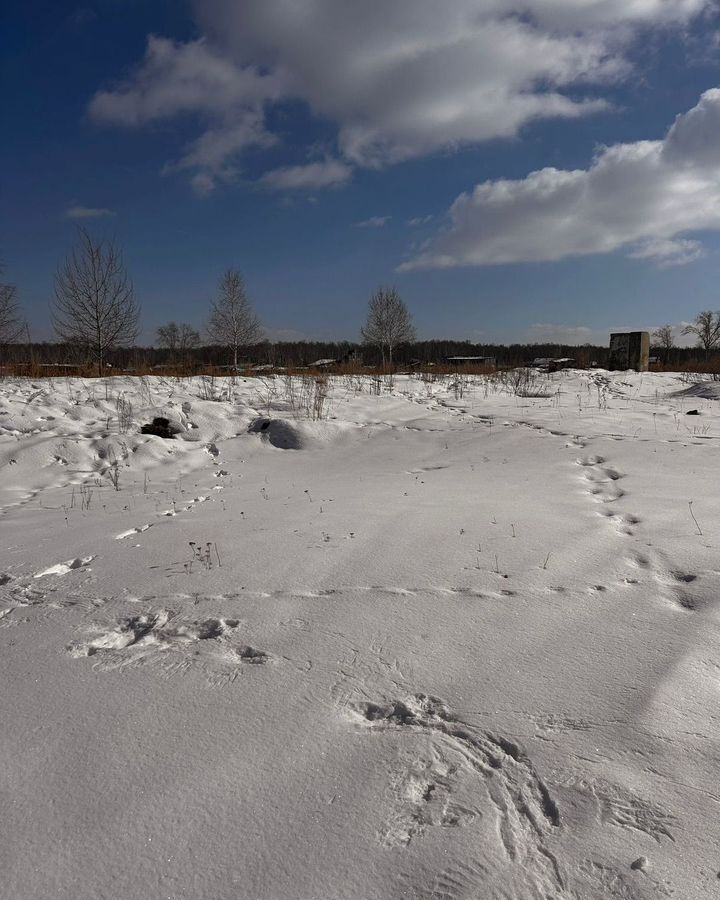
(599, 475)
(683, 577)
(189, 505)
(619, 806)
(422, 790)
(622, 521)
(606, 495)
(671, 581)
(24, 595)
(602, 481)
(176, 645)
(591, 461)
(459, 881)
(525, 812)
(613, 883)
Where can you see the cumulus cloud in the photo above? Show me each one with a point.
(327, 173)
(408, 78)
(642, 196)
(398, 80)
(87, 212)
(176, 79)
(374, 222)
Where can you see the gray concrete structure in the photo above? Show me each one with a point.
(630, 350)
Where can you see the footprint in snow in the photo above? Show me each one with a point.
(462, 777)
(174, 644)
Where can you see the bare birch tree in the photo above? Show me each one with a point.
(233, 323)
(11, 322)
(178, 339)
(388, 322)
(664, 339)
(94, 303)
(706, 329)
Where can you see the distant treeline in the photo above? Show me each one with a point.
(305, 353)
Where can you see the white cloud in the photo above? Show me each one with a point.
(328, 173)
(419, 220)
(194, 79)
(176, 78)
(415, 76)
(668, 253)
(398, 80)
(211, 155)
(642, 197)
(202, 183)
(87, 212)
(374, 222)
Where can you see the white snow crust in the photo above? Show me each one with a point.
(445, 642)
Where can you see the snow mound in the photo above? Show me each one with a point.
(285, 434)
(707, 390)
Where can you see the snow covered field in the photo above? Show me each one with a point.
(444, 642)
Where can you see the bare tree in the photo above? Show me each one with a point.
(233, 323)
(388, 322)
(178, 339)
(94, 303)
(664, 339)
(706, 329)
(11, 323)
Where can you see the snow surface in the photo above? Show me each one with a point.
(445, 642)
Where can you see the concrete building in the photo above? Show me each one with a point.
(629, 350)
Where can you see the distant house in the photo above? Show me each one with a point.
(351, 357)
(324, 363)
(563, 362)
(551, 364)
(488, 361)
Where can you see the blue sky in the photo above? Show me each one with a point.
(324, 152)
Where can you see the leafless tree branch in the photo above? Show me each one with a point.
(706, 329)
(388, 322)
(664, 339)
(94, 302)
(178, 339)
(233, 323)
(11, 322)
